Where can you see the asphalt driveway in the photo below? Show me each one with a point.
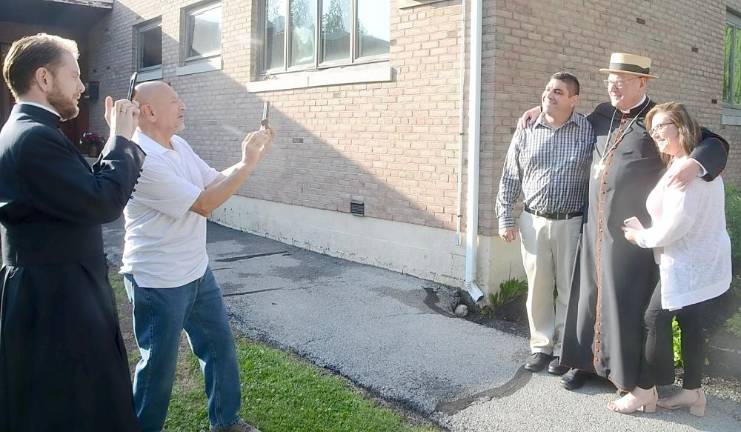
(393, 334)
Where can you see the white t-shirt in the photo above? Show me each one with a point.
(165, 242)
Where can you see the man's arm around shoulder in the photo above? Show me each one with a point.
(711, 153)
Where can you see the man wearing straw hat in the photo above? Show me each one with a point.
(613, 279)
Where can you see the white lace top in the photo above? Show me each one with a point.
(690, 241)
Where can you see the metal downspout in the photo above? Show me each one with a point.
(474, 132)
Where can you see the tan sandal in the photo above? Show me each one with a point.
(631, 403)
(695, 400)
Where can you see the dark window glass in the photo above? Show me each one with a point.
(150, 47)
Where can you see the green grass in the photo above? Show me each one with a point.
(733, 223)
(677, 343)
(280, 392)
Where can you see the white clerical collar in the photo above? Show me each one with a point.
(643, 99)
(38, 105)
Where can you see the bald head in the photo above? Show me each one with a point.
(162, 111)
(145, 92)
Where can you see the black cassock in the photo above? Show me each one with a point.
(63, 364)
(613, 279)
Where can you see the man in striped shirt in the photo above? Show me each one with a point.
(548, 161)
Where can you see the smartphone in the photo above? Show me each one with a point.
(132, 83)
(265, 122)
(633, 222)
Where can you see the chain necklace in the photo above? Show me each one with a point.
(599, 167)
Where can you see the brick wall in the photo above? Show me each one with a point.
(395, 145)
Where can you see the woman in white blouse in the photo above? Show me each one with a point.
(693, 250)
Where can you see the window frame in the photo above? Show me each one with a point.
(138, 30)
(353, 59)
(734, 20)
(186, 41)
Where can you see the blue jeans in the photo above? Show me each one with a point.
(160, 314)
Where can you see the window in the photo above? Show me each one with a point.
(732, 61)
(149, 46)
(310, 34)
(202, 27)
(373, 32)
(336, 28)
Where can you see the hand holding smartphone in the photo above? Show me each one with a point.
(633, 223)
(265, 122)
(132, 84)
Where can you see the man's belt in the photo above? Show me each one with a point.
(554, 216)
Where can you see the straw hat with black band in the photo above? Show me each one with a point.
(631, 64)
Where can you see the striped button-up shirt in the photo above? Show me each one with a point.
(549, 165)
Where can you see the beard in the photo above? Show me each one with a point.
(65, 106)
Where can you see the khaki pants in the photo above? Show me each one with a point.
(548, 253)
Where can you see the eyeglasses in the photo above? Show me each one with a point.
(617, 84)
(658, 128)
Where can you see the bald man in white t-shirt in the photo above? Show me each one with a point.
(165, 264)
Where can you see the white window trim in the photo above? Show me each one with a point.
(403, 4)
(200, 66)
(730, 116)
(349, 74)
(149, 75)
(152, 70)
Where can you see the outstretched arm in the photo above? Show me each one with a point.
(254, 148)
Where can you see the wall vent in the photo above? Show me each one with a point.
(357, 208)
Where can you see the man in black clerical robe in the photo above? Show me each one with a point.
(63, 364)
(614, 279)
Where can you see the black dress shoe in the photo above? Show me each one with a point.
(537, 361)
(574, 379)
(555, 368)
